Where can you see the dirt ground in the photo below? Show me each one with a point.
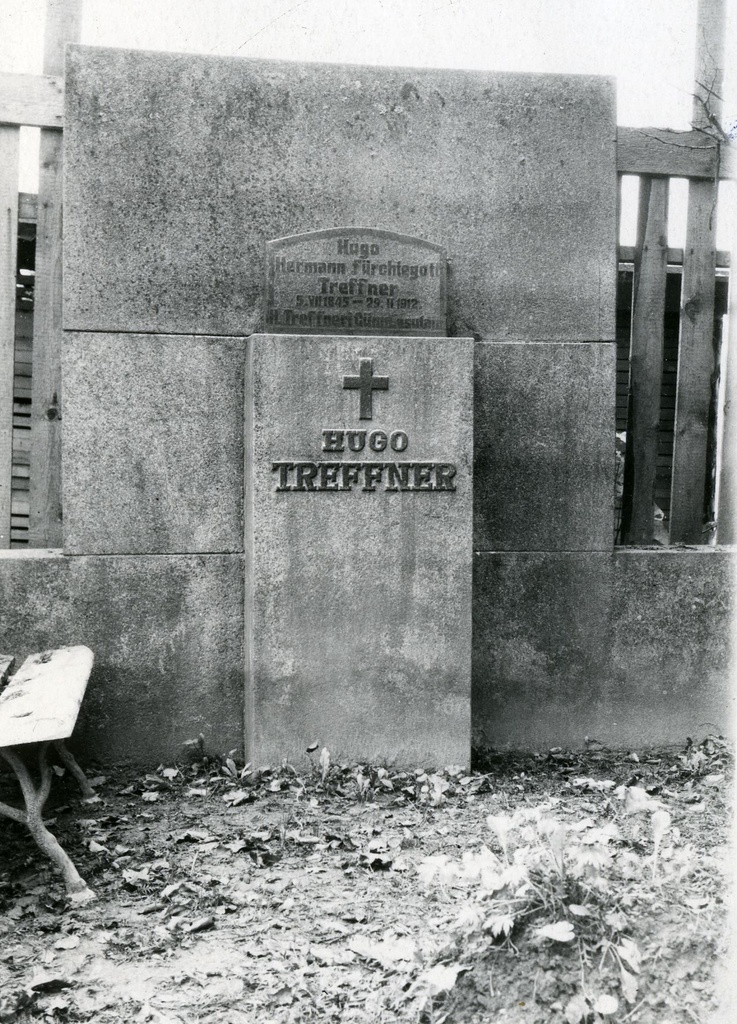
(571, 887)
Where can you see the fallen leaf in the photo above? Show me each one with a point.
(697, 902)
(236, 797)
(45, 982)
(578, 911)
(67, 942)
(629, 952)
(282, 997)
(236, 846)
(389, 952)
(194, 835)
(629, 985)
(606, 1005)
(616, 920)
(561, 931)
(576, 1009)
(440, 978)
(330, 956)
(82, 896)
(201, 924)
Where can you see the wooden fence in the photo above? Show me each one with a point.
(670, 405)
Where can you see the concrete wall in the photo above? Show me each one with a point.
(167, 634)
(178, 169)
(631, 648)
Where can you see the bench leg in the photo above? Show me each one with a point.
(35, 798)
(67, 759)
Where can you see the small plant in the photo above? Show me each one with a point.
(544, 881)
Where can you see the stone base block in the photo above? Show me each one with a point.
(152, 443)
(632, 649)
(167, 635)
(544, 447)
(359, 537)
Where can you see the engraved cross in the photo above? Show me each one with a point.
(366, 383)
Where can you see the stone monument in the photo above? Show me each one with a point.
(291, 294)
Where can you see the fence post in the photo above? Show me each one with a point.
(727, 510)
(646, 358)
(696, 360)
(63, 18)
(9, 135)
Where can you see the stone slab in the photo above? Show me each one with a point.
(180, 167)
(633, 649)
(152, 447)
(167, 635)
(359, 602)
(544, 429)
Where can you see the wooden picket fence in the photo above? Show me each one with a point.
(679, 420)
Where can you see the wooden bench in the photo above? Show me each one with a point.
(39, 706)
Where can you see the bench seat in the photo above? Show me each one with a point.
(38, 707)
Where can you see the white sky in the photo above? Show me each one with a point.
(647, 45)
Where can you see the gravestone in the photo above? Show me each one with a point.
(327, 240)
(359, 513)
(359, 537)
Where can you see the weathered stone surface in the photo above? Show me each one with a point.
(152, 443)
(167, 635)
(632, 648)
(543, 447)
(359, 626)
(180, 167)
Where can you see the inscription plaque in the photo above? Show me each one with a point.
(355, 281)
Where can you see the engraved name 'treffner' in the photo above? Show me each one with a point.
(366, 476)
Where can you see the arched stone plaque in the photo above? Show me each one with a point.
(355, 281)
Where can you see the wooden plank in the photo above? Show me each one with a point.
(675, 256)
(27, 207)
(63, 25)
(9, 142)
(45, 524)
(662, 151)
(41, 701)
(646, 358)
(727, 498)
(695, 350)
(63, 18)
(711, 23)
(36, 100)
(695, 368)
